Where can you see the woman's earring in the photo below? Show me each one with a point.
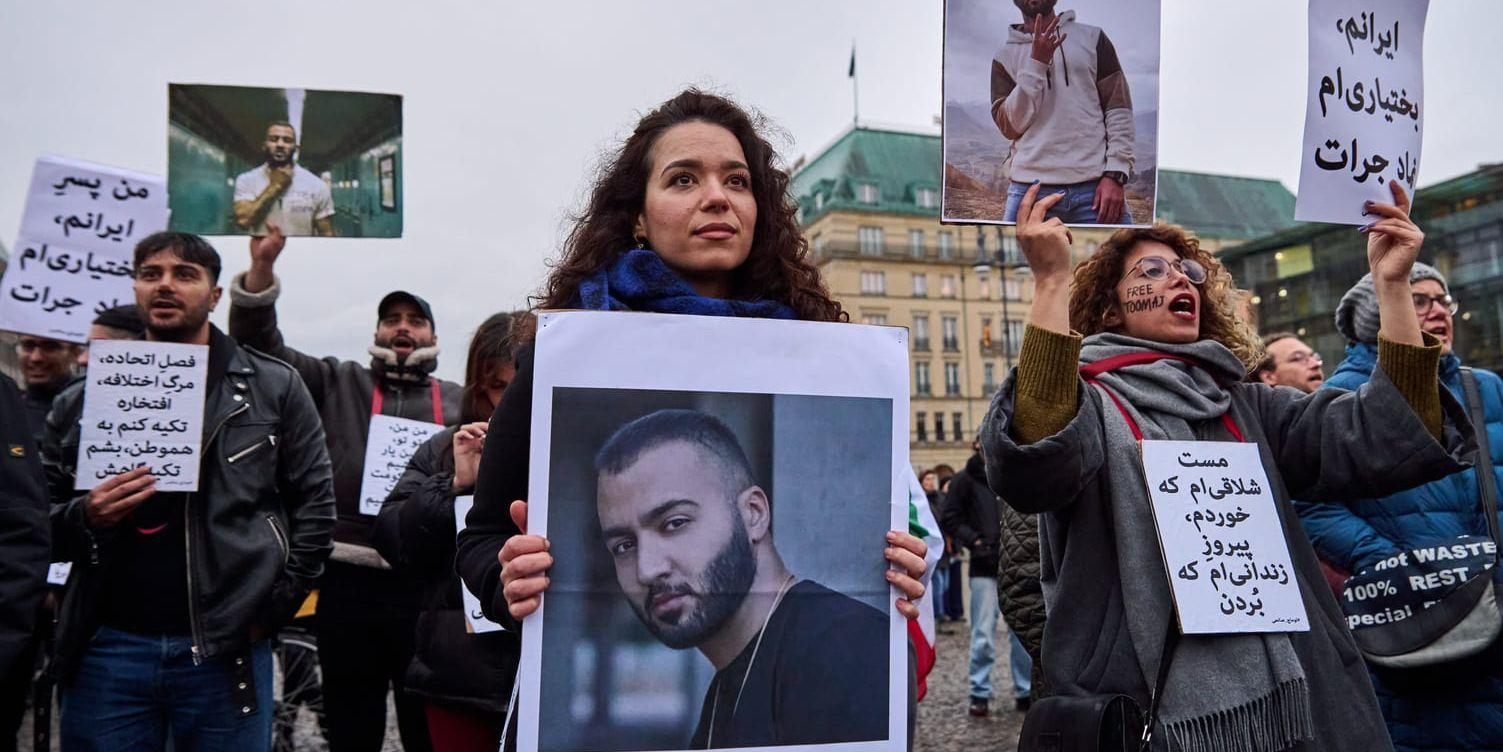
(641, 242)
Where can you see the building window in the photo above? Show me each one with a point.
(923, 428)
(874, 319)
(867, 193)
(952, 379)
(955, 422)
(916, 243)
(818, 243)
(1012, 288)
(819, 201)
(949, 331)
(1011, 253)
(989, 377)
(939, 426)
(947, 285)
(986, 331)
(921, 378)
(927, 198)
(1014, 336)
(920, 285)
(874, 283)
(946, 244)
(870, 240)
(921, 331)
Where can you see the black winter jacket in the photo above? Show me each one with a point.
(23, 527)
(342, 392)
(415, 532)
(257, 529)
(972, 516)
(1019, 592)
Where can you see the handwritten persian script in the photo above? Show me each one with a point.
(143, 405)
(390, 446)
(1222, 538)
(73, 255)
(1364, 108)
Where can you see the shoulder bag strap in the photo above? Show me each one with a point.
(1171, 640)
(1486, 482)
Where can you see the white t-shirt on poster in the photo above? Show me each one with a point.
(306, 200)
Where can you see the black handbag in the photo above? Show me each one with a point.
(1097, 723)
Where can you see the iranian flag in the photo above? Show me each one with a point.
(921, 523)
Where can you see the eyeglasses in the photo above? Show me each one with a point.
(1156, 268)
(1299, 359)
(1422, 303)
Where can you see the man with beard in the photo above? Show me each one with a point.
(282, 192)
(47, 365)
(162, 636)
(689, 532)
(1288, 362)
(367, 613)
(1060, 96)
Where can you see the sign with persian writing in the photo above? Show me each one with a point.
(474, 619)
(1222, 538)
(390, 446)
(1364, 115)
(73, 253)
(143, 405)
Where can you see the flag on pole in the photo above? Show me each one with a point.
(921, 523)
(852, 72)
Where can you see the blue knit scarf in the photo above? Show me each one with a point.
(638, 280)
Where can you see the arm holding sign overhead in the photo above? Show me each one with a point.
(253, 314)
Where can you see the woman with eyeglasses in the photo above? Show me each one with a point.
(1150, 320)
(1465, 710)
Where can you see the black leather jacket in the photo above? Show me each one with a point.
(265, 484)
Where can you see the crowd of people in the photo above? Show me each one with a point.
(162, 636)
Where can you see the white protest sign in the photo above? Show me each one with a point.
(1364, 114)
(58, 571)
(474, 618)
(1222, 538)
(143, 405)
(391, 444)
(73, 253)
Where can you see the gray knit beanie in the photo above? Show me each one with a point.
(1357, 313)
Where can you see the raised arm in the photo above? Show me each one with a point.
(253, 313)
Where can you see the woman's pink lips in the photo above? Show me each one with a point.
(716, 231)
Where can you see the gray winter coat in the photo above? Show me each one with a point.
(1328, 445)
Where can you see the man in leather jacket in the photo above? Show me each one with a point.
(367, 613)
(163, 630)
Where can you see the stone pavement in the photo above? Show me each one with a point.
(943, 725)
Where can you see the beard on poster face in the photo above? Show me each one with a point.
(684, 615)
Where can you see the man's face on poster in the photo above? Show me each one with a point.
(281, 145)
(1033, 8)
(673, 526)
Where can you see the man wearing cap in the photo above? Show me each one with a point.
(1466, 711)
(366, 612)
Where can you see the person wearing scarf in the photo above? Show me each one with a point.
(691, 216)
(1162, 339)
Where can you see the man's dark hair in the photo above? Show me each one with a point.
(631, 441)
(185, 245)
(1265, 363)
(284, 124)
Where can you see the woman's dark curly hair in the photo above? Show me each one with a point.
(778, 267)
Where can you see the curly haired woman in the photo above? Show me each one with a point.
(1150, 319)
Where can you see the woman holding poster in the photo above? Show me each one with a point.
(1162, 357)
(690, 216)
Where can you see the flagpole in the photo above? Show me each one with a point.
(855, 95)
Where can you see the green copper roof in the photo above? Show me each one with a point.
(900, 163)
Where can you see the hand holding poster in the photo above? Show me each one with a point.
(1363, 111)
(143, 405)
(73, 256)
(1223, 541)
(389, 447)
(474, 618)
(715, 493)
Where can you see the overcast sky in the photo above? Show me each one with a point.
(510, 104)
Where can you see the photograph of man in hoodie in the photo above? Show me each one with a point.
(1060, 107)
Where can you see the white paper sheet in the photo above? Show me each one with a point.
(390, 446)
(143, 405)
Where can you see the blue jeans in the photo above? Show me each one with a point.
(133, 692)
(940, 584)
(954, 597)
(1073, 209)
(984, 612)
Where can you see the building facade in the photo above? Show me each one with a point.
(869, 206)
(1297, 276)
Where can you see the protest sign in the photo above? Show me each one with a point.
(474, 618)
(650, 432)
(311, 161)
(1077, 111)
(1222, 538)
(58, 571)
(1364, 115)
(390, 446)
(143, 405)
(73, 254)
